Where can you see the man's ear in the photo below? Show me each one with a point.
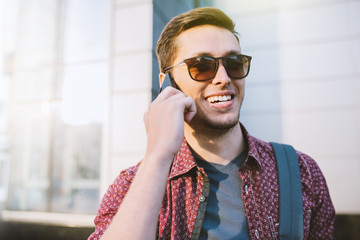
(161, 78)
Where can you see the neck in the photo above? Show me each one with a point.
(217, 146)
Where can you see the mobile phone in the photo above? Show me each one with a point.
(167, 82)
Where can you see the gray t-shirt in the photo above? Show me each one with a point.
(224, 216)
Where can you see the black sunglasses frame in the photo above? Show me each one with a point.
(188, 60)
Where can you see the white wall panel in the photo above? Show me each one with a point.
(326, 133)
(133, 28)
(328, 95)
(132, 72)
(128, 129)
(342, 175)
(326, 60)
(86, 32)
(304, 84)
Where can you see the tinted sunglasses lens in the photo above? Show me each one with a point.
(201, 68)
(237, 66)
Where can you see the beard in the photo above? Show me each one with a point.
(206, 123)
(202, 122)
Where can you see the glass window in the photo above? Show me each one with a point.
(57, 103)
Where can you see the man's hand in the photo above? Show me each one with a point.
(164, 122)
(137, 215)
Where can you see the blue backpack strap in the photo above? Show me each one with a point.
(290, 196)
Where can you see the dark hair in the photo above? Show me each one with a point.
(166, 48)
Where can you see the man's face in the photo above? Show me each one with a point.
(208, 40)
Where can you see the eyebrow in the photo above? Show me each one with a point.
(232, 52)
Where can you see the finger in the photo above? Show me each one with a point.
(167, 92)
(146, 121)
(190, 109)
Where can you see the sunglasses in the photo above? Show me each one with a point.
(204, 68)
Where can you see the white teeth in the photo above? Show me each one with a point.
(222, 98)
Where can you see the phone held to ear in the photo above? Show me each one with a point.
(166, 82)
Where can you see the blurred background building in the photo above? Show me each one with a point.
(76, 77)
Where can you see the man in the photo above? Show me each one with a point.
(203, 176)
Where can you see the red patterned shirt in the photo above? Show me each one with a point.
(187, 189)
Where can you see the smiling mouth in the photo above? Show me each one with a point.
(219, 99)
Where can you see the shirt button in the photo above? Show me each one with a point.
(257, 234)
(202, 198)
(246, 189)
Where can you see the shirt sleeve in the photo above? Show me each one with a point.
(111, 202)
(322, 213)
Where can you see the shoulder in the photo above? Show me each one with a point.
(312, 178)
(117, 190)
(126, 176)
(308, 164)
(319, 210)
(308, 167)
(123, 181)
(112, 200)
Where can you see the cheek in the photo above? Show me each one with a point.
(194, 92)
(183, 80)
(190, 87)
(240, 85)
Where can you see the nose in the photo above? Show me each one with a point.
(221, 76)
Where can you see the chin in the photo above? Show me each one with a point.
(215, 124)
(221, 125)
